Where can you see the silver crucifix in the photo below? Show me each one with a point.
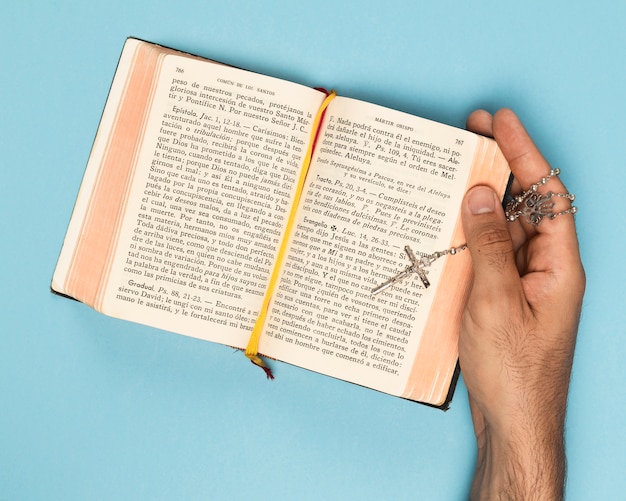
(417, 266)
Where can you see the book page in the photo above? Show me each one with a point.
(213, 184)
(380, 180)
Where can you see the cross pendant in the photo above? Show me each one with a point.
(416, 266)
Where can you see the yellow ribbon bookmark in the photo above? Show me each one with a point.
(252, 350)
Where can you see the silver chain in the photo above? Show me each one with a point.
(531, 204)
(535, 206)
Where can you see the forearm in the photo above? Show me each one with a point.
(526, 464)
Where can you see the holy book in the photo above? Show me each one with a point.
(214, 197)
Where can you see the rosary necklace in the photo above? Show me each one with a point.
(531, 204)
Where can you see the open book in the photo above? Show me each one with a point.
(187, 196)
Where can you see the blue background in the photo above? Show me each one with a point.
(96, 408)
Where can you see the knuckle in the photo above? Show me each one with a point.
(494, 243)
(493, 236)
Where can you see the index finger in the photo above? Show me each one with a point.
(529, 167)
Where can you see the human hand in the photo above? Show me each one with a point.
(519, 327)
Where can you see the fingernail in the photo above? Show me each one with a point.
(481, 200)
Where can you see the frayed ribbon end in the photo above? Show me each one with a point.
(256, 360)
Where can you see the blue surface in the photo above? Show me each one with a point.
(95, 408)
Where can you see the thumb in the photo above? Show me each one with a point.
(490, 244)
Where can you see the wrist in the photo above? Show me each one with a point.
(525, 462)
